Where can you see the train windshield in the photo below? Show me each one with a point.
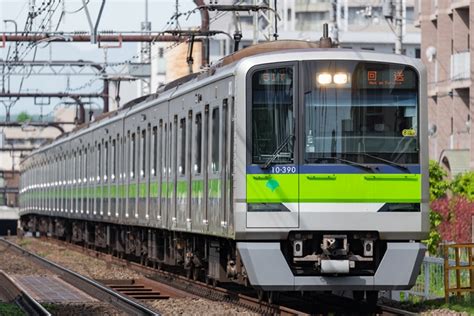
(360, 111)
(273, 116)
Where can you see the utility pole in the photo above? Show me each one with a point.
(145, 52)
(395, 20)
(333, 21)
(398, 26)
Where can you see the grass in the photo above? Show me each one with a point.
(463, 304)
(24, 242)
(7, 309)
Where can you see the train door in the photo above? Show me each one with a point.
(143, 178)
(182, 174)
(196, 172)
(228, 166)
(113, 175)
(173, 140)
(214, 178)
(164, 126)
(153, 176)
(133, 179)
(272, 170)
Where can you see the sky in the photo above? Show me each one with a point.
(118, 15)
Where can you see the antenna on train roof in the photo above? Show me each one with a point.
(325, 41)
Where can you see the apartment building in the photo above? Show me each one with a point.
(446, 51)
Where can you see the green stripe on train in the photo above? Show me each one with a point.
(389, 188)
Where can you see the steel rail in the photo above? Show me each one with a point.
(87, 285)
(182, 283)
(21, 298)
(396, 311)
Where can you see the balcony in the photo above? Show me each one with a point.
(460, 70)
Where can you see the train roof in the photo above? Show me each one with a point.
(259, 53)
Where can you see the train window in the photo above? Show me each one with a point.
(84, 176)
(368, 113)
(106, 160)
(154, 151)
(273, 118)
(198, 142)
(173, 148)
(182, 150)
(215, 140)
(132, 156)
(114, 160)
(143, 153)
(99, 162)
(163, 151)
(79, 163)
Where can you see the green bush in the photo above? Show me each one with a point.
(463, 184)
(438, 185)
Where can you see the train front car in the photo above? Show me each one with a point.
(336, 170)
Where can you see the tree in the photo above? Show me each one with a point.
(23, 117)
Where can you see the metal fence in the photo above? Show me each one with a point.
(430, 281)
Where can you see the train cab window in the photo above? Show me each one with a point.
(182, 149)
(362, 112)
(215, 140)
(198, 142)
(132, 156)
(143, 153)
(154, 151)
(273, 116)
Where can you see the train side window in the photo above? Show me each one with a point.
(84, 164)
(132, 156)
(163, 151)
(154, 151)
(106, 160)
(182, 150)
(143, 153)
(99, 162)
(114, 160)
(198, 142)
(215, 140)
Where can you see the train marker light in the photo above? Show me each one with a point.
(324, 78)
(340, 78)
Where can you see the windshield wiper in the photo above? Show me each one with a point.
(387, 162)
(277, 151)
(347, 162)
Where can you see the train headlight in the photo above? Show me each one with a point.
(340, 78)
(324, 78)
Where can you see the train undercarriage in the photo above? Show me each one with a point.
(303, 256)
(213, 259)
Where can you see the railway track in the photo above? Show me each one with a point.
(91, 287)
(23, 300)
(191, 287)
(390, 310)
(294, 305)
